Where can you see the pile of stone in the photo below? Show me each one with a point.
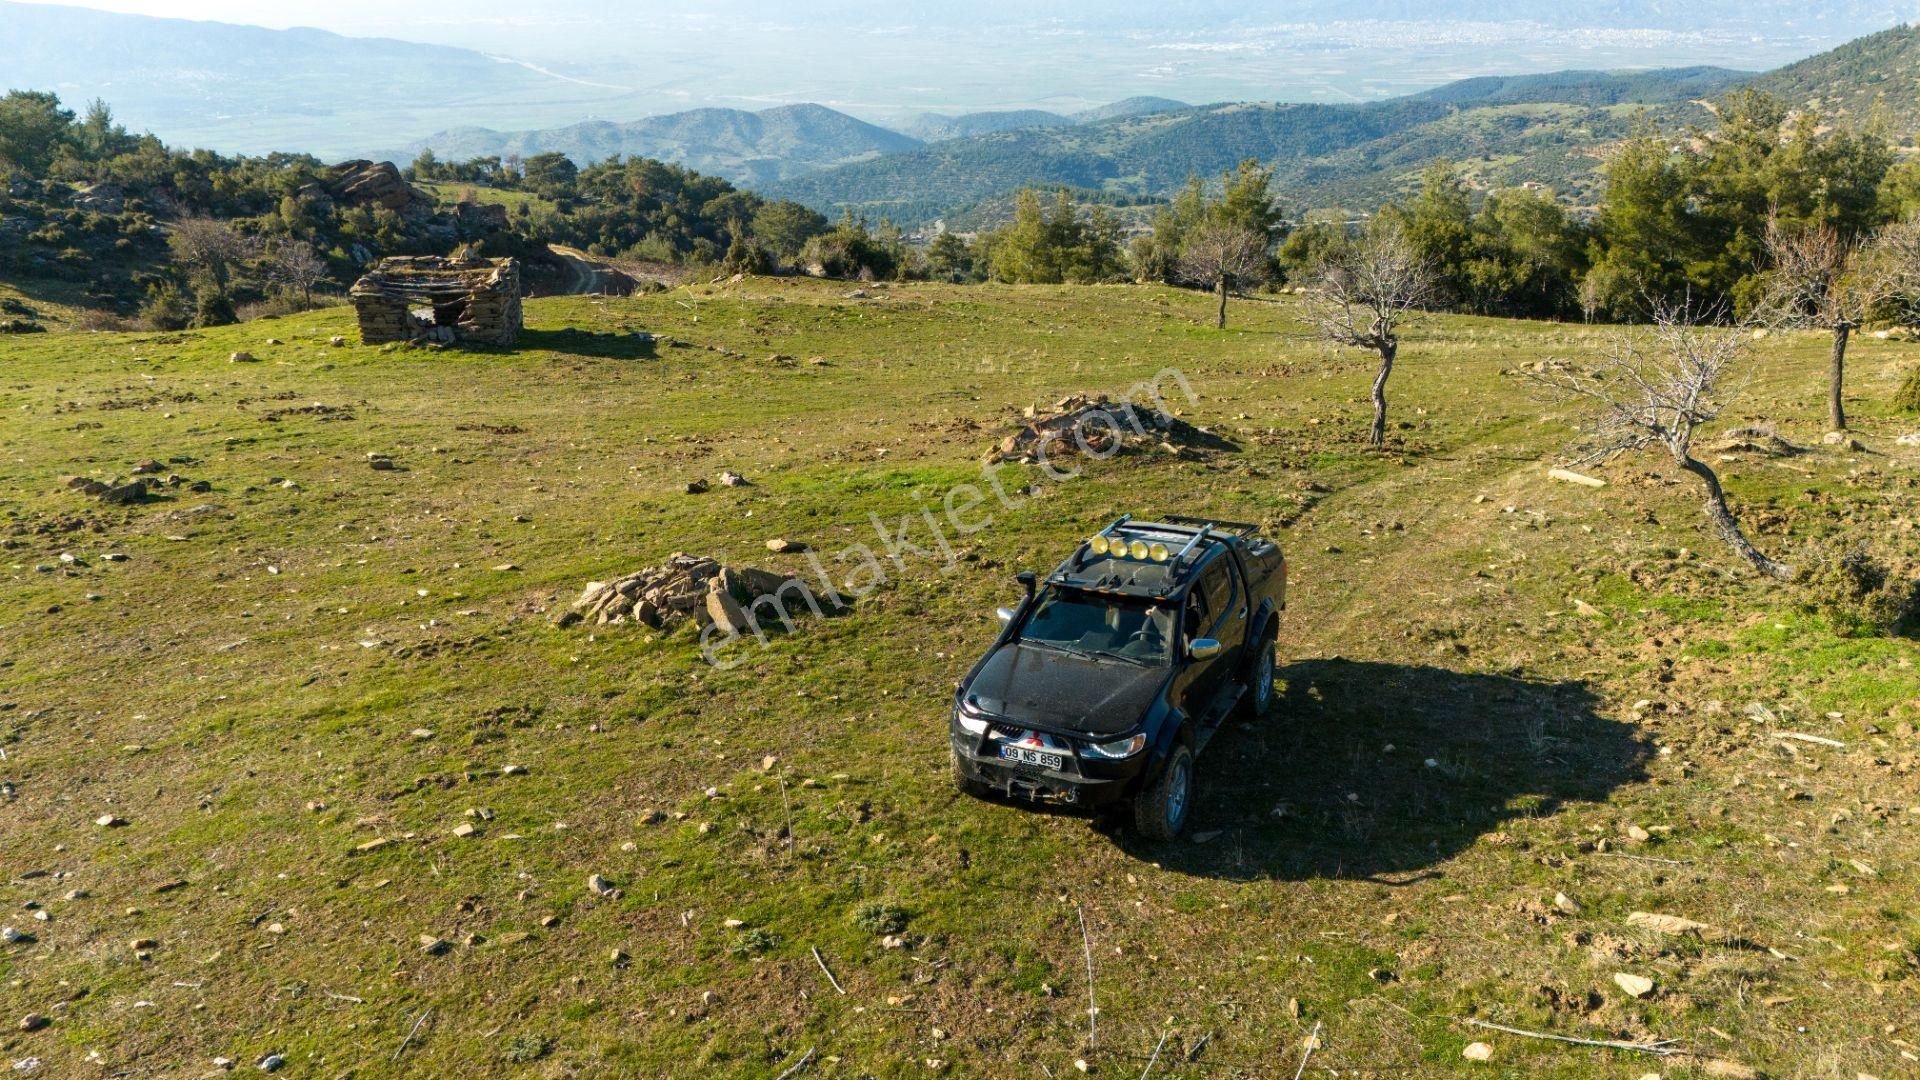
(685, 587)
(146, 480)
(1081, 423)
(1754, 440)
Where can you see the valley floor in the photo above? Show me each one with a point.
(1498, 689)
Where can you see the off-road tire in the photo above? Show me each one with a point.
(962, 783)
(1262, 674)
(1160, 812)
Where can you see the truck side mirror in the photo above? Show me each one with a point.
(1204, 648)
(1028, 580)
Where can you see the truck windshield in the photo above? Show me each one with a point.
(1136, 630)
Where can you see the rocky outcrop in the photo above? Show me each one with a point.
(377, 183)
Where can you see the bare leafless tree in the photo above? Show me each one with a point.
(1359, 293)
(294, 267)
(211, 247)
(1821, 280)
(1223, 255)
(1653, 389)
(1898, 249)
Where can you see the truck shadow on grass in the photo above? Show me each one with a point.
(1500, 748)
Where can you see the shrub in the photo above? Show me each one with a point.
(165, 307)
(1862, 594)
(878, 918)
(1907, 398)
(522, 1049)
(753, 942)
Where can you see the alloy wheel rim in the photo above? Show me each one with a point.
(1177, 794)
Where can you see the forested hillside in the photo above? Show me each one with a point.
(1874, 80)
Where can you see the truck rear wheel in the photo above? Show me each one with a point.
(1160, 812)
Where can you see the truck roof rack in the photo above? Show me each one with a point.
(1238, 528)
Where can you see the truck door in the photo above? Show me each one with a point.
(1217, 609)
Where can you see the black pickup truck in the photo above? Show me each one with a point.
(1112, 674)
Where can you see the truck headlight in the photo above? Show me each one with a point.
(1119, 748)
(970, 719)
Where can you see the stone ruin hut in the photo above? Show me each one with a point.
(433, 298)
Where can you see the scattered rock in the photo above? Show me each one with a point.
(1637, 986)
(374, 844)
(464, 829)
(1571, 477)
(602, 886)
(1566, 903)
(143, 945)
(336, 342)
(1635, 832)
(786, 547)
(110, 821)
(242, 358)
(32, 1022)
(618, 957)
(14, 937)
(127, 494)
(272, 1063)
(1477, 1051)
(1908, 440)
(697, 487)
(733, 479)
(1666, 924)
(434, 946)
(1729, 1070)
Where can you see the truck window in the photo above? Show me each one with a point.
(1195, 621)
(1221, 587)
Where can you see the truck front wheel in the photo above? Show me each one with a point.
(1160, 812)
(1260, 678)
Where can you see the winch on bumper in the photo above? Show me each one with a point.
(1079, 778)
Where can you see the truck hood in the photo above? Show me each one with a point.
(1046, 688)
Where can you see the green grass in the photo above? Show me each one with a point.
(278, 650)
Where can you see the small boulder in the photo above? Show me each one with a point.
(783, 546)
(1477, 1051)
(1635, 986)
(243, 358)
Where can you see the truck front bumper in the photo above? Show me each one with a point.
(1080, 780)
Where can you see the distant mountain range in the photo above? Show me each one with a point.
(749, 148)
(1549, 129)
(240, 88)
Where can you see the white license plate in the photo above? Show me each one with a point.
(1020, 755)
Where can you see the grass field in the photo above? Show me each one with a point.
(313, 656)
